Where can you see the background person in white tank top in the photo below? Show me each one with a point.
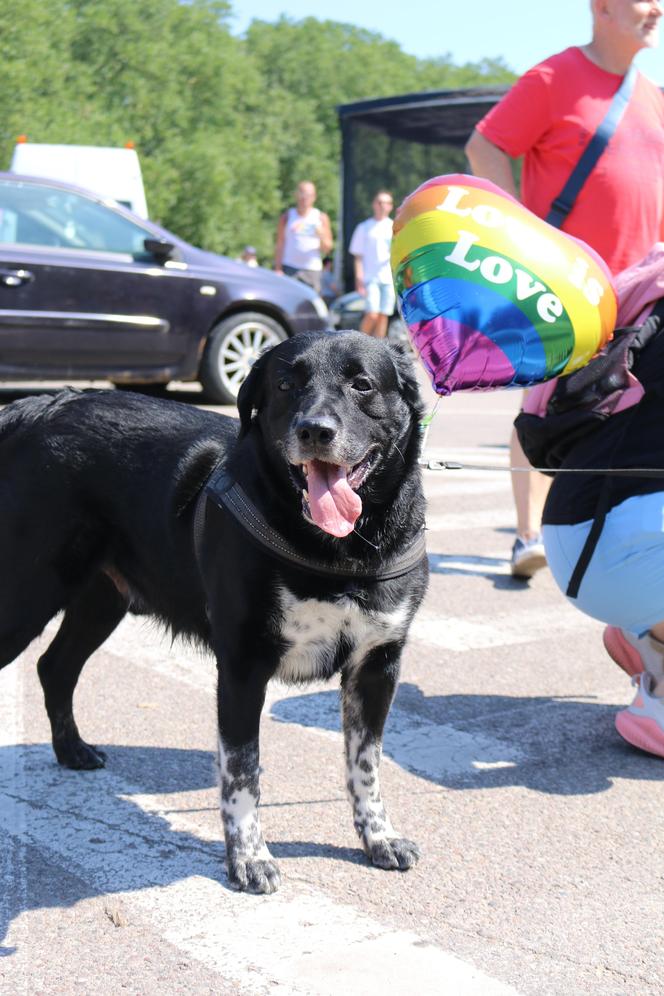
(304, 236)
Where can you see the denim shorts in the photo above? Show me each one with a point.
(380, 298)
(624, 582)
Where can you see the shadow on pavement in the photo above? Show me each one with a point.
(78, 835)
(75, 835)
(552, 745)
(494, 569)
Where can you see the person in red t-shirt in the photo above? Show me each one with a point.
(549, 117)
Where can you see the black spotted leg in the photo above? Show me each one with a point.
(366, 696)
(249, 863)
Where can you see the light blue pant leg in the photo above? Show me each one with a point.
(624, 583)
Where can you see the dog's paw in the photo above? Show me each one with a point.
(79, 756)
(254, 875)
(394, 852)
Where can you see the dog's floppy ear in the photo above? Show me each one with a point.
(408, 386)
(250, 396)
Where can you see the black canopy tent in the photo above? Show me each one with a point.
(397, 143)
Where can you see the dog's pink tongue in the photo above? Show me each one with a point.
(333, 504)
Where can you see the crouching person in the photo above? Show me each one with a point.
(603, 523)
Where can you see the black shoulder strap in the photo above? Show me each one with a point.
(601, 510)
(564, 202)
(653, 322)
(593, 536)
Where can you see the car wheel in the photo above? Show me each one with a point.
(232, 348)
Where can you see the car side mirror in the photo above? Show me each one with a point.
(161, 250)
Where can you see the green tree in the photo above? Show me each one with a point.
(312, 66)
(225, 127)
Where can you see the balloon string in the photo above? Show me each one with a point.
(425, 423)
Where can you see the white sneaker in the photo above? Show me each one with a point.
(528, 556)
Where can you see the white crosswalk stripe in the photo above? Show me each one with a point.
(501, 630)
(453, 522)
(246, 939)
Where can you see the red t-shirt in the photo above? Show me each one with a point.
(550, 115)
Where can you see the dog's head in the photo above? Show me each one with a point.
(337, 411)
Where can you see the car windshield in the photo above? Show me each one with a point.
(41, 215)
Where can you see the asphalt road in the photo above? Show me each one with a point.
(541, 831)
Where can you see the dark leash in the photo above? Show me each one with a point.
(614, 471)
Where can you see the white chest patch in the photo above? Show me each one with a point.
(318, 634)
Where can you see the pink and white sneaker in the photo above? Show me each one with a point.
(642, 723)
(623, 653)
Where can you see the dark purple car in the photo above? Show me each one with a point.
(90, 290)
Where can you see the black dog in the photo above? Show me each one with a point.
(292, 548)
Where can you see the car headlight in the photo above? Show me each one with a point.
(320, 306)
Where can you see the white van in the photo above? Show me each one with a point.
(108, 172)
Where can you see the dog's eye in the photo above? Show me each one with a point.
(362, 384)
(285, 384)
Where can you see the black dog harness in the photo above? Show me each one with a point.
(230, 496)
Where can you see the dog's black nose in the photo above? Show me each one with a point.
(320, 430)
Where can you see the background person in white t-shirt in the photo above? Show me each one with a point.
(370, 245)
(304, 236)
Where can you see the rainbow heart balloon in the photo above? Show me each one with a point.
(492, 295)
